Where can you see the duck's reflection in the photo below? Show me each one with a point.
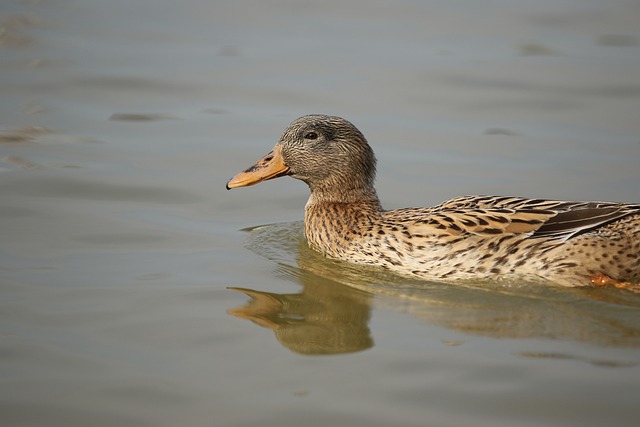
(326, 318)
(332, 312)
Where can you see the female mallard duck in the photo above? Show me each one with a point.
(472, 237)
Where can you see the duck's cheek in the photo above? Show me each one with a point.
(300, 176)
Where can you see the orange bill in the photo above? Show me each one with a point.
(268, 167)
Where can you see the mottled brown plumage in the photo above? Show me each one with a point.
(472, 237)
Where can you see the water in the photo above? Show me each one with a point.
(135, 290)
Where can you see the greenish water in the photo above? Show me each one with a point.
(135, 290)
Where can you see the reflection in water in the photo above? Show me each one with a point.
(329, 317)
(326, 318)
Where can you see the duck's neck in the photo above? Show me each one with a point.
(332, 220)
(346, 192)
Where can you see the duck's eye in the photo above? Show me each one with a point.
(311, 135)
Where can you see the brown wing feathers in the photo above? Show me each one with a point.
(574, 222)
(541, 218)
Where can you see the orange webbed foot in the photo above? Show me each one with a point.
(600, 279)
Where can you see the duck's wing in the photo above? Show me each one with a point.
(578, 218)
(488, 222)
(492, 215)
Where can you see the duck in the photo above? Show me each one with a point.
(467, 238)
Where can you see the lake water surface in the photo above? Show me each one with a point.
(136, 291)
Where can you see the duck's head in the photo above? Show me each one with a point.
(327, 152)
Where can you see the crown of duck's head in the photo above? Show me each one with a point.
(327, 152)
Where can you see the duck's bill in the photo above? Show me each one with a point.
(269, 167)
